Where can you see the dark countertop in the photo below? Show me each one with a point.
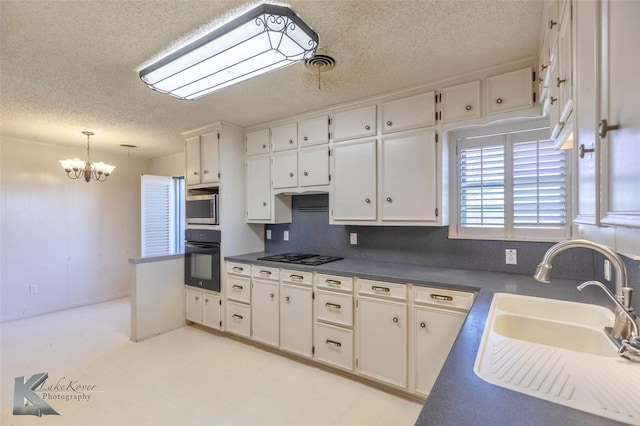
(459, 397)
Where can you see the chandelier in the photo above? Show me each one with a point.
(77, 168)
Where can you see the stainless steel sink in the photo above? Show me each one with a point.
(558, 351)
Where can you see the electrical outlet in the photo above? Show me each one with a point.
(353, 238)
(268, 234)
(285, 235)
(33, 289)
(607, 270)
(511, 257)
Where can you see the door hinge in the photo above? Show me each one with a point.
(329, 149)
(534, 76)
(220, 324)
(436, 116)
(218, 175)
(356, 362)
(436, 97)
(440, 97)
(313, 295)
(313, 350)
(329, 177)
(218, 135)
(356, 303)
(329, 135)
(534, 97)
(220, 303)
(437, 138)
(436, 212)
(329, 120)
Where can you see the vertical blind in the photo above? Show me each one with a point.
(512, 182)
(157, 221)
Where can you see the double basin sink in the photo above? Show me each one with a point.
(558, 351)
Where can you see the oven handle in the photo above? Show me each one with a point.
(201, 245)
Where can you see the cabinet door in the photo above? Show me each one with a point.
(554, 102)
(296, 326)
(285, 137)
(211, 311)
(564, 80)
(408, 183)
(510, 91)
(209, 157)
(259, 188)
(192, 156)
(265, 312)
(314, 131)
(354, 181)
(314, 166)
(258, 142)
(285, 170)
(382, 338)
(461, 102)
(355, 123)
(194, 306)
(434, 333)
(543, 69)
(620, 89)
(409, 113)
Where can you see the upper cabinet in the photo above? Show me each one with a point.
(201, 155)
(409, 113)
(460, 102)
(284, 137)
(314, 131)
(258, 142)
(354, 123)
(510, 91)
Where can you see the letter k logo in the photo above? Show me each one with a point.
(24, 391)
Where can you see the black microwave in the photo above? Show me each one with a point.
(202, 209)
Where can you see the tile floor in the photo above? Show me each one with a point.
(185, 377)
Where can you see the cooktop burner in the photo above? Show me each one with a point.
(301, 258)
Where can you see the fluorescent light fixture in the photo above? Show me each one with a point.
(264, 39)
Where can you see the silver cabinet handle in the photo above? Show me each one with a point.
(237, 287)
(197, 298)
(367, 200)
(266, 273)
(582, 150)
(389, 123)
(552, 23)
(237, 269)
(290, 140)
(559, 82)
(441, 297)
(271, 295)
(423, 325)
(604, 128)
(237, 316)
(468, 107)
(333, 343)
(389, 200)
(367, 127)
(553, 100)
(206, 300)
(380, 289)
(332, 305)
(290, 174)
(305, 138)
(263, 146)
(499, 100)
(296, 277)
(287, 298)
(205, 171)
(334, 283)
(195, 173)
(264, 203)
(306, 173)
(395, 319)
(543, 67)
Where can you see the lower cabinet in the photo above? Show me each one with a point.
(204, 308)
(296, 330)
(238, 318)
(382, 336)
(265, 312)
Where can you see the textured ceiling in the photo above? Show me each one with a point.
(68, 66)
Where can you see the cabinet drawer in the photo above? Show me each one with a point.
(334, 282)
(379, 288)
(238, 318)
(334, 345)
(334, 307)
(443, 298)
(238, 269)
(265, 272)
(297, 277)
(238, 288)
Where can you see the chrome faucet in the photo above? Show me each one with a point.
(625, 327)
(628, 348)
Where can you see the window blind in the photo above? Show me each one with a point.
(157, 221)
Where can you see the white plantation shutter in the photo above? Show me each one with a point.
(511, 185)
(158, 216)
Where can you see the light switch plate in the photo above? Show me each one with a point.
(353, 238)
(268, 234)
(285, 235)
(511, 257)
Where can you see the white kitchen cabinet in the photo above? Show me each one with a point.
(257, 142)
(265, 311)
(238, 318)
(564, 80)
(238, 288)
(382, 340)
(296, 313)
(460, 102)
(285, 170)
(410, 112)
(544, 56)
(510, 91)
(194, 306)
(354, 123)
(334, 345)
(354, 193)
(314, 131)
(408, 184)
(620, 87)
(204, 308)
(201, 155)
(259, 188)
(284, 137)
(314, 166)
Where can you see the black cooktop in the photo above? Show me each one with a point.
(301, 258)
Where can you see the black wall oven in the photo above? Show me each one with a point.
(202, 258)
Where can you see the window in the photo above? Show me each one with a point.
(510, 185)
(162, 215)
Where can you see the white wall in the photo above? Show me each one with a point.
(169, 165)
(70, 238)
